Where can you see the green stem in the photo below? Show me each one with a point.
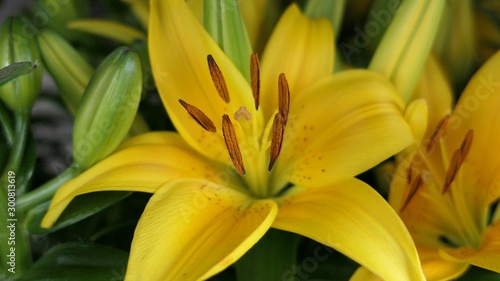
(15, 241)
(6, 124)
(47, 190)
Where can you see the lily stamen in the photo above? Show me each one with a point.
(409, 174)
(452, 171)
(218, 79)
(457, 160)
(280, 119)
(255, 78)
(466, 144)
(283, 97)
(414, 187)
(232, 144)
(438, 132)
(277, 133)
(199, 116)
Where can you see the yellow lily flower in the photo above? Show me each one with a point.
(243, 162)
(447, 191)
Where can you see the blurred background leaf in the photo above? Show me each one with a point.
(79, 261)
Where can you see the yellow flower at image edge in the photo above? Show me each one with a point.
(447, 190)
(281, 151)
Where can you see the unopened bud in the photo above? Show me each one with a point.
(405, 47)
(68, 68)
(108, 107)
(18, 46)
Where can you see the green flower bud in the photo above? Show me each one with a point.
(68, 68)
(405, 46)
(108, 107)
(223, 21)
(16, 45)
(57, 14)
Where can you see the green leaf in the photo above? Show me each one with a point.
(79, 261)
(480, 274)
(80, 208)
(272, 258)
(15, 70)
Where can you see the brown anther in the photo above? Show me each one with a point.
(218, 79)
(283, 97)
(408, 174)
(232, 144)
(255, 78)
(277, 132)
(466, 144)
(242, 112)
(199, 117)
(437, 133)
(452, 171)
(414, 187)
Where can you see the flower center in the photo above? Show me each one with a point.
(246, 162)
(446, 189)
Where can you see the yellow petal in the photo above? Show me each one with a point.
(108, 29)
(436, 268)
(354, 219)
(487, 256)
(193, 229)
(179, 47)
(142, 168)
(477, 109)
(341, 127)
(416, 116)
(165, 138)
(301, 48)
(363, 274)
